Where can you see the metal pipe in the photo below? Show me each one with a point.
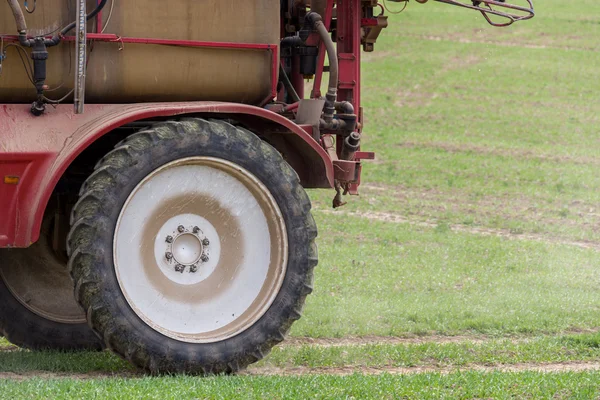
(291, 107)
(81, 58)
(344, 107)
(350, 146)
(291, 41)
(19, 17)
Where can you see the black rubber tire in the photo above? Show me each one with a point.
(26, 329)
(93, 224)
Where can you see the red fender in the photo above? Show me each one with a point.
(38, 150)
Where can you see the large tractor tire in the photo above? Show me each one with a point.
(37, 308)
(192, 248)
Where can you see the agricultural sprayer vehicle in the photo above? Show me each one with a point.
(154, 157)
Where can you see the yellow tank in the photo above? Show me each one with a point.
(128, 73)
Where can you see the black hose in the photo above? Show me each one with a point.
(289, 41)
(288, 85)
(331, 54)
(331, 96)
(292, 41)
(91, 15)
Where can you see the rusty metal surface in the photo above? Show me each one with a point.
(345, 171)
(124, 73)
(39, 149)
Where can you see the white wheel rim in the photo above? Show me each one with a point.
(200, 249)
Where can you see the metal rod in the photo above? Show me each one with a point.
(81, 59)
(110, 37)
(493, 7)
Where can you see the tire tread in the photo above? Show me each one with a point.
(91, 214)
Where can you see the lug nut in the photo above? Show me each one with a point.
(193, 269)
(196, 230)
(169, 239)
(169, 255)
(206, 242)
(179, 268)
(204, 258)
(180, 228)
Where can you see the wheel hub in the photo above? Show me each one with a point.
(187, 249)
(187, 243)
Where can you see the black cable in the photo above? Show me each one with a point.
(50, 101)
(56, 88)
(288, 85)
(91, 15)
(50, 33)
(24, 60)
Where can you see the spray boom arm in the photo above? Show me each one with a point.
(500, 8)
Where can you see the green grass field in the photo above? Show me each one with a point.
(468, 267)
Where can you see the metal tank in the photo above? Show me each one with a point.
(129, 72)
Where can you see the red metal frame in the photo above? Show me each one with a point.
(349, 14)
(40, 156)
(349, 23)
(99, 19)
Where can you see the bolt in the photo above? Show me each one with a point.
(206, 242)
(180, 228)
(169, 239)
(196, 230)
(169, 255)
(204, 258)
(180, 268)
(193, 269)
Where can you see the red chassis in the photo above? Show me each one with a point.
(37, 151)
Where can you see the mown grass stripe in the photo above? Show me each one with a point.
(465, 385)
(345, 371)
(333, 371)
(505, 233)
(583, 348)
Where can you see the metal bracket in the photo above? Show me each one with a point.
(372, 28)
